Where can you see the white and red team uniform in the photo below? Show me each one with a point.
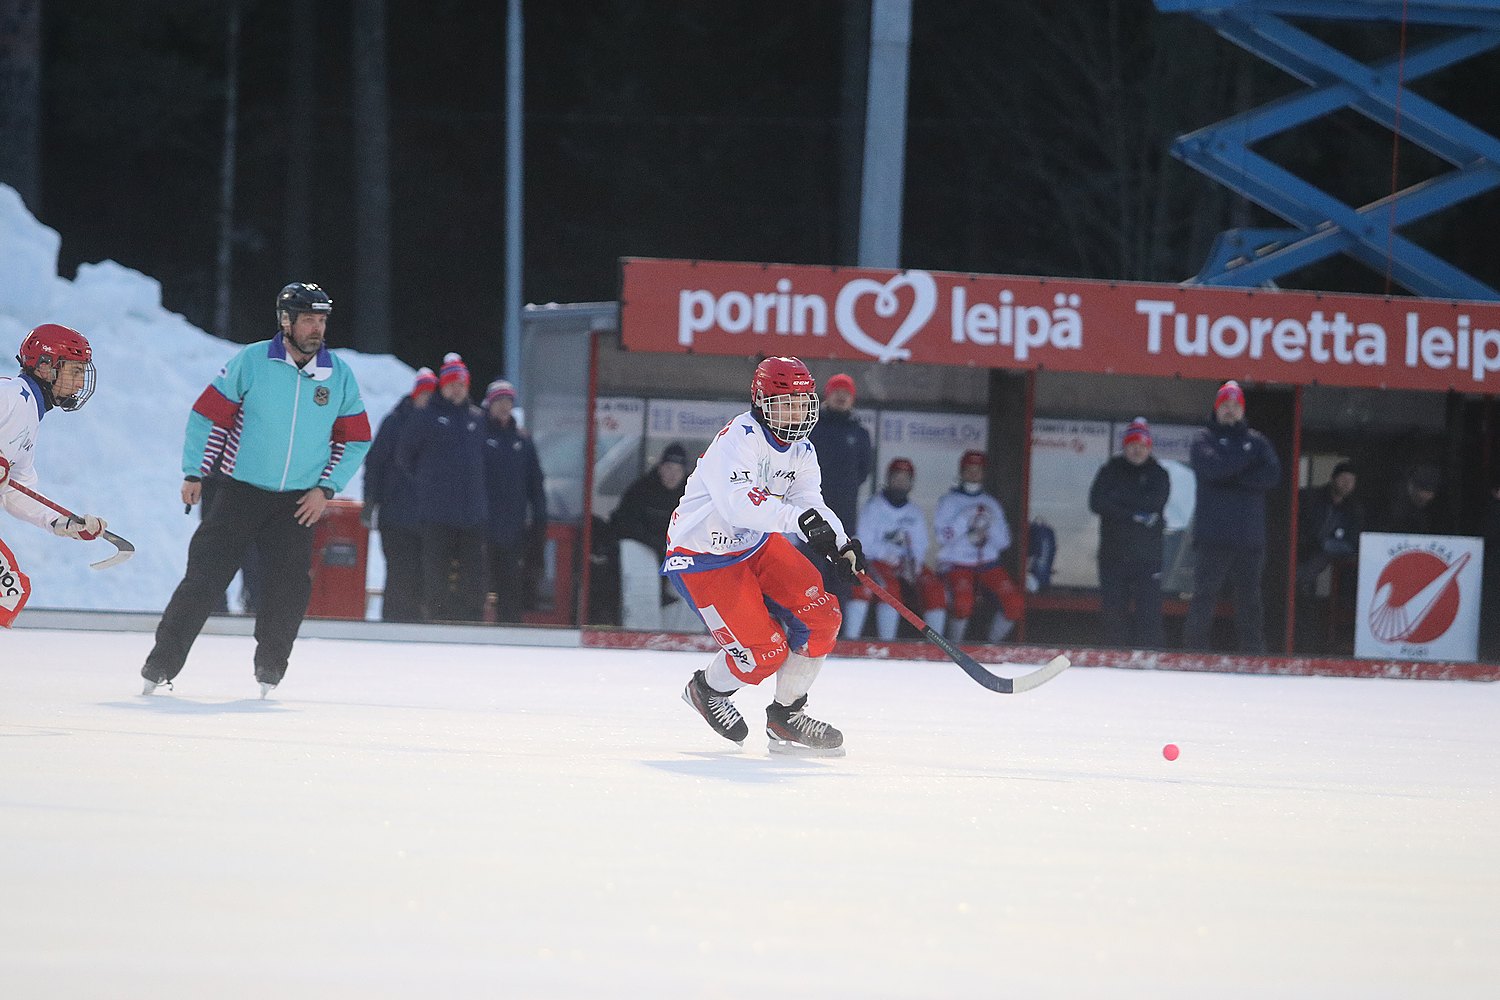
(21, 410)
(971, 534)
(20, 415)
(23, 403)
(895, 540)
(726, 554)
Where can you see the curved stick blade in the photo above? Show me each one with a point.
(123, 550)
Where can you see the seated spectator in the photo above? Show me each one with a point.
(1329, 521)
(972, 534)
(1328, 526)
(1411, 510)
(895, 539)
(640, 523)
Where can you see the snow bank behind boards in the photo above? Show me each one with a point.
(120, 456)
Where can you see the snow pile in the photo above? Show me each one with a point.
(120, 455)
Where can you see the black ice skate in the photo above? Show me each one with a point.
(716, 708)
(793, 731)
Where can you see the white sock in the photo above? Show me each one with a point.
(937, 618)
(855, 613)
(1000, 628)
(796, 676)
(885, 622)
(719, 678)
(956, 627)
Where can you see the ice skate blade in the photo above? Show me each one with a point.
(150, 688)
(266, 689)
(789, 749)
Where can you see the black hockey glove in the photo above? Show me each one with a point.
(819, 534)
(851, 560)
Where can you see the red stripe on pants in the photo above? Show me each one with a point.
(731, 601)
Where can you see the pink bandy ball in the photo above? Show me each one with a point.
(1170, 751)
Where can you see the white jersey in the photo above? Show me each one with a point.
(746, 487)
(971, 529)
(21, 409)
(894, 535)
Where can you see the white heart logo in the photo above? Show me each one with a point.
(923, 305)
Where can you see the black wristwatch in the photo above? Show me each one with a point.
(327, 491)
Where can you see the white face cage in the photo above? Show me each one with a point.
(790, 416)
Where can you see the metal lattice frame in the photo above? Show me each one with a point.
(1322, 225)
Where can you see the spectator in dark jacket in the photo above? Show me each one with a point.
(392, 506)
(1411, 511)
(443, 447)
(845, 455)
(517, 501)
(1129, 494)
(1329, 521)
(640, 520)
(845, 460)
(647, 506)
(1235, 468)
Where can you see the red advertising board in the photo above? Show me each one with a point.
(1005, 321)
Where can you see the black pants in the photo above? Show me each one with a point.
(250, 578)
(402, 547)
(1130, 604)
(1242, 568)
(508, 579)
(241, 514)
(453, 579)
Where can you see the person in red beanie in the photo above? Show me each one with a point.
(1235, 468)
(1129, 494)
(516, 532)
(846, 458)
(392, 506)
(442, 448)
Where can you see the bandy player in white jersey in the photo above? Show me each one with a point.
(761, 599)
(57, 370)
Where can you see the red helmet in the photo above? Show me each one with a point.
(786, 397)
(970, 458)
(901, 465)
(51, 344)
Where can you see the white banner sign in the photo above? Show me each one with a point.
(1418, 597)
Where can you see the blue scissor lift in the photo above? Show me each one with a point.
(1320, 224)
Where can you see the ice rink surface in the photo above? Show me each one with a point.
(457, 821)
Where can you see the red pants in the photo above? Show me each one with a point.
(888, 575)
(761, 608)
(961, 581)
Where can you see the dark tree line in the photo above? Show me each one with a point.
(1038, 143)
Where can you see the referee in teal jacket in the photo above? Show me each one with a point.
(285, 425)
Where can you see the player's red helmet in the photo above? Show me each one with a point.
(786, 398)
(51, 344)
(970, 459)
(901, 465)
